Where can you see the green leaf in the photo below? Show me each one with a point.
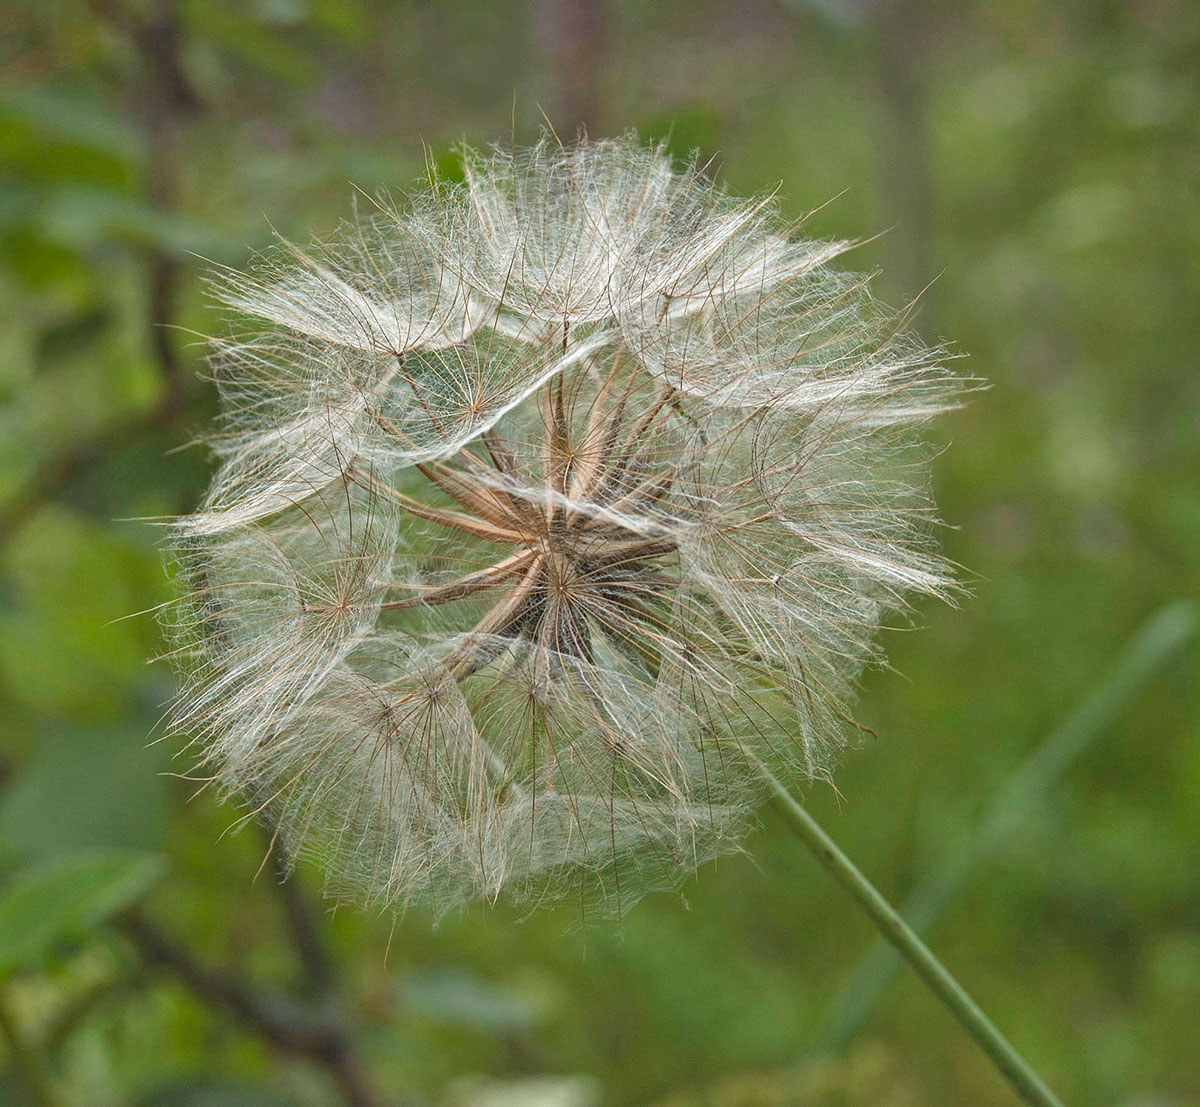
(259, 44)
(85, 217)
(67, 647)
(457, 996)
(46, 904)
(72, 115)
(87, 788)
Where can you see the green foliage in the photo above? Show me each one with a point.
(87, 787)
(82, 658)
(64, 898)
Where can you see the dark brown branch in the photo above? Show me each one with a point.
(282, 1023)
(285, 1025)
(167, 99)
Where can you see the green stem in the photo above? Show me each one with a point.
(1024, 1081)
(1157, 641)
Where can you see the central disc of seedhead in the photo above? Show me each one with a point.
(572, 502)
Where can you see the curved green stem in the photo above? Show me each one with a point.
(1024, 1081)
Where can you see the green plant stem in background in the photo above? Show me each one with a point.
(1157, 640)
(1007, 1060)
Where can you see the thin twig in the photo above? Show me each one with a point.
(302, 924)
(322, 981)
(287, 1026)
(167, 99)
(284, 1024)
(170, 100)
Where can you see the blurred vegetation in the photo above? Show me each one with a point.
(1036, 167)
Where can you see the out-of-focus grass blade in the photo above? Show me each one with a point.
(1159, 638)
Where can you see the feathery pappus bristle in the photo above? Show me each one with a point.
(551, 505)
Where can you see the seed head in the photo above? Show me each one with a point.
(551, 505)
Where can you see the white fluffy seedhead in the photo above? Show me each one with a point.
(552, 507)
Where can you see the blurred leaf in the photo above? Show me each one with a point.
(448, 163)
(18, 202)
(528, 1091)
(19, 342)
(60, 136)
(75, 115)
(841, 15)
(68, 647)
(343, 18)
(38, 263)
(83, 218)
(87, 788)
(48, 903)
(260, 44)
(454, 995)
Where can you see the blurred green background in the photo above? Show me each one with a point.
(1035, 164)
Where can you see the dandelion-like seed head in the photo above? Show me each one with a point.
(552, 507)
